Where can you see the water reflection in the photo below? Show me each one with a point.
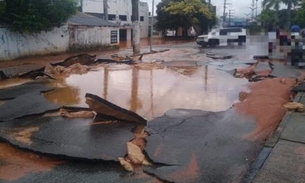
(155, 41)
(150, 93)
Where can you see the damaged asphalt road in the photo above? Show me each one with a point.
(209, 142)
(75, 138)
(206, 147)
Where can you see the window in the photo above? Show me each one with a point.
(111, 17)
(223, 32)
(142, 18)
(123, 17)
(235, 30)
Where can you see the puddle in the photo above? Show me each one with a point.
(151, 93)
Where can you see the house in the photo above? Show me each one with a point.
(90, 31)
(119, 12)
(80, 31)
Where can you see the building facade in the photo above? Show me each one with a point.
(119, 12)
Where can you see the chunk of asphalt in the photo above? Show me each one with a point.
(2, 75)
(105, 108)
(299, 88)
(15, 91)
(83, 59)
(70, 137)
(204, 148)
(28, 104)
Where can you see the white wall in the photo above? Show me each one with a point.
(14, 45)
(93, 6)
(91, 36)
(144, 25)
(119, 7)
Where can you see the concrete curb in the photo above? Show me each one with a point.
(272, 141)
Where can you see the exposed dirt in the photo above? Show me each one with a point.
(24, 135)
(266, 103)
(14, 163)
(191, 172)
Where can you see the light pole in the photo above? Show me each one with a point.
(152, 24)
(256, 10)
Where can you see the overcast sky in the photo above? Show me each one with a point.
(239, 7)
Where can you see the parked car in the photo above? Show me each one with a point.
(222, 35)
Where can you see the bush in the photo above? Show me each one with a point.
(35, 15)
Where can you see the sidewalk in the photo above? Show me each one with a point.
(283, 158)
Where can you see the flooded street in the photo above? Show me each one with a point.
(204, 117)
(151, 93)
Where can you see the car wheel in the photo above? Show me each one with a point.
(213, 42)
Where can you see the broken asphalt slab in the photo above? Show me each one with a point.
(299, 88)
(104, 108)
(9, 72)
(15, 91)
(207, 147)
(281, 70)
(74, 138)
(28, 104)
(83, 59)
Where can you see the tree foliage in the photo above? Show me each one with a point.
(184, 13)
(196, 12)
(35, 15)
(267, 17)
(269, 5)
(166, 21)
(300, 17)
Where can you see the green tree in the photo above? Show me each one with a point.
(196, 12)
(35, 15)
(168, 21)
(275, 4)
(300, 17)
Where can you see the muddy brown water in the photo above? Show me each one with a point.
(151, 93)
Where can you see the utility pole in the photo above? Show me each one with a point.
(252, 7)
(152, 24)
(224, 12)
(105, 6)
(230, 16)
(81, 5)
(256, 10)
(136, 27)
(225, 3)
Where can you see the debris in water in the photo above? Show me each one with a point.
(78, 114)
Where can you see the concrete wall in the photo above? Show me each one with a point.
(14, 45)
(144, 11)
(82, 36)
(117, 8)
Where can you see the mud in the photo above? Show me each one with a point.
(265, 102)
(15, 163)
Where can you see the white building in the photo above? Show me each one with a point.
(120, 12)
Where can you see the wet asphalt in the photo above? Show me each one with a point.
(185, 145)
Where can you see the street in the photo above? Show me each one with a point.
(206, 118)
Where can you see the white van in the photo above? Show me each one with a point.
(223, 36)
